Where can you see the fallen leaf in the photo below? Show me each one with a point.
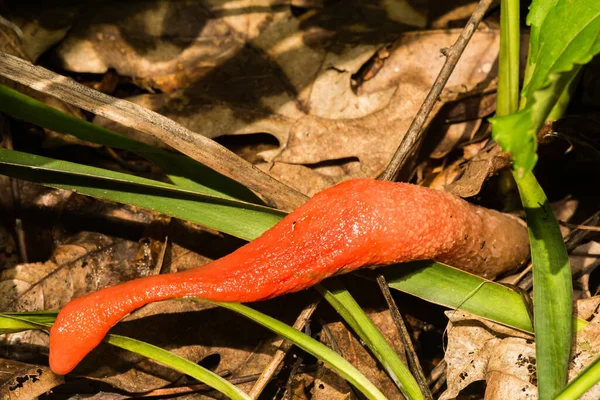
(89, 262)
(505, 358)
(20, 381)
(466, 178)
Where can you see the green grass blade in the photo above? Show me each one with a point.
(19, 322)
(244, 220)
(508, 73)
(311, 346)
(582, 382)
(343, 302)
(182, 171)
(453, 288)
(553, 297)
(178, 363)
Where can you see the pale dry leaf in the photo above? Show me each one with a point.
(505, 358)
(587, 308)
(472, 343)
(587, 349)
(454, 135)
(38, 25)
(371, 139)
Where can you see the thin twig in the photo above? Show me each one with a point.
(452, 54)
(284, 347)
(413, 359)
(580, 227)
(194, 145)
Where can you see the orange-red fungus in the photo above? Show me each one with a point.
(357, 223)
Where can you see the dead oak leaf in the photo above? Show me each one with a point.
(505, 358)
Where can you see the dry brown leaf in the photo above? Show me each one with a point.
(85, 264)
(505, 358)
(272, 72)
(472, 343)
(19, 381)
(466, 179)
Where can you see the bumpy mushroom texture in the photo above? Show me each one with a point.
(355, 224)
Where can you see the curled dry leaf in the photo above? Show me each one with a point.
(465, 178)
(473, 343)
(505, 358)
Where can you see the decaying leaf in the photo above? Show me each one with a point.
(89, 262)
(505, 358)
(465, 178)
(25, 381)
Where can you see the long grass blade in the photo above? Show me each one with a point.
(311, 346)
(241, 219)
(343, 302)
(178, 363)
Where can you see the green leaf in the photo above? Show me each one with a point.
(552, 299)
(343, 302)
(582, 382)
(19, 322)
(453, 288)
(178, 363)
(311, 346)
(182, 171)
(537, 14)
(508, 74)
(241, 219)
(568, 37)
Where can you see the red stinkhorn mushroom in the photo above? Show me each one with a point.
(354, 224)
